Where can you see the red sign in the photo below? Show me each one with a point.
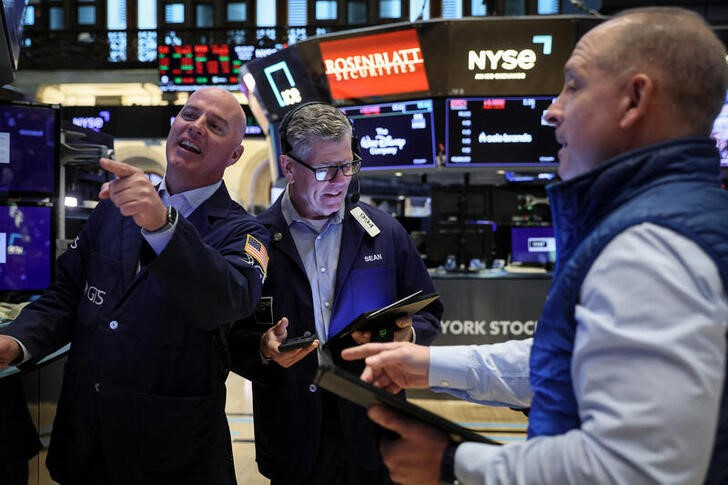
(374, 65)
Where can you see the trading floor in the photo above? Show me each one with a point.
(501, 424)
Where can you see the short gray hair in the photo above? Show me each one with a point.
(313, 124)
(679, 50)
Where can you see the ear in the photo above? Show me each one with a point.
(286, 168)
(235, 156)
(639, 93)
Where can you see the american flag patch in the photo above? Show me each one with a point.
(254, 248)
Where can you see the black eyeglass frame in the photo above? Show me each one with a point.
(355, 165)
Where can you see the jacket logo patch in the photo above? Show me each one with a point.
(373, 257)
(94, 295)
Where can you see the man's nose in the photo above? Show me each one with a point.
(197, 126)
(553, 114)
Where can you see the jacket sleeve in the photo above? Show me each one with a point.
(216, 285)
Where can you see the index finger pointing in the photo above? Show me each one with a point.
(365, 350)
(120, 169)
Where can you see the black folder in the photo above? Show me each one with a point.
(381, 321)
(349, 386)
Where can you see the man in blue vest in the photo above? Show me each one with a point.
(331, 259)
(145, 294)
(625, 374)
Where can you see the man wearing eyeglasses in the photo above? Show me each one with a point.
(331, 259)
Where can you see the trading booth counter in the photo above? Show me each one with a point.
(489, 306)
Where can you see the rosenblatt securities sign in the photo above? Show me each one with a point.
(374, 65)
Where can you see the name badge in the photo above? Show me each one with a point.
(364, 221)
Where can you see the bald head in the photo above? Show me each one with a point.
(678, 50)
(226, 103)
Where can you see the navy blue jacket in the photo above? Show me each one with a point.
(145, 377)
(674, 185)
(288, 408)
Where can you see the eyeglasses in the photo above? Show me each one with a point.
(328, 172)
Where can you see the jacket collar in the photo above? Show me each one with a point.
(577, 205)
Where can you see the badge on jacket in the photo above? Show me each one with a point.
(364, 221)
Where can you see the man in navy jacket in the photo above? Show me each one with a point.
(331, 260)
(145, 294)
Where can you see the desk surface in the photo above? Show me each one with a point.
(436, 273)
(13, 370)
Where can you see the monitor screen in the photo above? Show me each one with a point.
(394, 135)
(26, 248)
(533, 245)
(499, 131)
(190, 67)
(29, 140)
(720, 133)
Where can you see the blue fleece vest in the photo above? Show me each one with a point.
(675, 185)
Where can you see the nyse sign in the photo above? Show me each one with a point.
(490, 310)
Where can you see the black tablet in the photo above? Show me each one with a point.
(382, 319)
(349, 386)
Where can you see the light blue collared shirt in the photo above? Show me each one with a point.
(185, 203)
(318, 242)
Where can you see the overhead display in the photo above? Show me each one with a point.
(374, 65)
(509, 56)
(499, 131)
(29, 140)
(394, 135)
(136, 121)
(279, 81)
(190, 67)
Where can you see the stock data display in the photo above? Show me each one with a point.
(499, 131)
(190, 67)
(394, 135)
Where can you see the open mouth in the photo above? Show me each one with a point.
(189, 146)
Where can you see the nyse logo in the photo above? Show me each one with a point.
(94, 295)
(507, 63)
(507, 59)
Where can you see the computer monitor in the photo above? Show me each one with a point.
(395, 135)
(11, 33)
(29, 143)
(26, 250)
(720, 133)
(499, 131)
(535, 246)
(474, 240)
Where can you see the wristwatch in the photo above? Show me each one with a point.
(171, 219)
(447, 465)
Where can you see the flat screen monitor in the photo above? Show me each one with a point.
(720, 133)
(11, 32)
(395, 135)
(533, 245)
(192, 66)
(26, 248)
(499, 131)
(29, 142)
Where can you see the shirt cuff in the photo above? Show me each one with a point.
(159, 240)
(448, 367)
(26, 354)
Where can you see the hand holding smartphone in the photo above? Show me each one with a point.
(297, 342)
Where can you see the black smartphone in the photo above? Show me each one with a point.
(297, 342)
